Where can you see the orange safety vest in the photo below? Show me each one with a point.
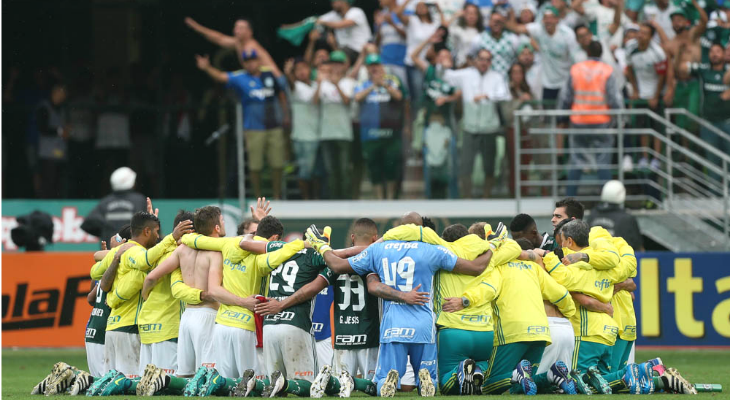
(589, 87)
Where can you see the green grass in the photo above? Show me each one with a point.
(22, 369)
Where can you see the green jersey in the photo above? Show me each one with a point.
(96, 327)
(548, 242)
(357, 314)
(289, 277)
(714, 33)
(435, 87)
(713, 108)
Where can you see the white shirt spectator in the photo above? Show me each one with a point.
(336, 121)
(416, 34)
(603, 16)
(645, 65)
(503, 50)
(461, 41)
(662, 17)
(305, 116)
(482, 116)
(353, 37)
(557, 52)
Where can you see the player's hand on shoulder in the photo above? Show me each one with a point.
(415, 298)
(248, 302)
(182, 228)
(270, 307)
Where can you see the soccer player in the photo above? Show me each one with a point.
(517, 289)
(524, 226)
(185, 273)
(235, 287)
(406, 330)
(567, 208)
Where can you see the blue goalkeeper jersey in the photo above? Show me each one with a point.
(403, 266)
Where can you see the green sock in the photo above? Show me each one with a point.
(228, 385)
(177, 383)
(259, 387)
(658, 383)
(543, 383)
(132, 389)
(298, 387)
(365, 385)
(333, 386)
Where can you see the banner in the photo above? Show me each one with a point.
(682, 299)
(44, 299)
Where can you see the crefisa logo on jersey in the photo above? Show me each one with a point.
(43, 307)
(401, 333)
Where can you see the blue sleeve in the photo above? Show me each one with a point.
(363, 263)
(359, 88)
(237, 82)
(444, 258)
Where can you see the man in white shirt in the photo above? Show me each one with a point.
(350, 24)
(558, 47)
(481, 88)
(499, 42)
(661, 13)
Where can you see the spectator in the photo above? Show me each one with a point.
(419, 27)
(610, 214)
(113, 139)
(718, 30)
(585, 38)
(81, 137)
(566, 12)
(53, 133)
(647, 72)
(605, 19)
(318, 50)
(591, 86)
(526, 58)
(117, 208)
(469, 25)
(334, 92)
(557, 45)
(350, 24)
(241, 41)
(502, 45)
(391, 38)
(481, 89)
(382, 113)
(660, 12)
(258, 92)
(527, 12)
(520, 92)
(438, 99)
(715, 82)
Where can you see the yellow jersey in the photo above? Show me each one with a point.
(159, 317)
(125, 299)
(244, 273)
(449, 284)
(181, 291)
(98, 269)
(517, 290)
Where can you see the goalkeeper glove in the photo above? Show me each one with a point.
(320, 241)
(495, 238)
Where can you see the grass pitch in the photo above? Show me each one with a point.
(22, 369)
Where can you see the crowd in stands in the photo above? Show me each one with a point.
(416, 83)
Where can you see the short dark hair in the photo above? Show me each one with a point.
(521, 222)
(206, 218)
(578, 231)
(142, 220)
(428, 223)
(364, 227)
(594, 49)
(270, 226)
(125, 231)
(579, 27)
(716, 43)
(559, 227)
(573, 208)
(477, 228)
(244, 225)
(525, 244)
(454, 232)
(182, 215)
(648, 25)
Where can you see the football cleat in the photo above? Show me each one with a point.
(277, 383)
(192, 388)
(676, 383)
(319, 384)
(559, 376)
(465, 376)
(82, 382)
(60, 382)
(213, 382)
(631, 379)
(40, 388)
(99, 383)
(149, 371)
(426, 386)
(347, 384)
(155, 382)
(478, 380)
(523, 375)
(597, 381)
(581, 385)
(646, 378)
(391, 384)
(657, 365)
(246, 384)
(117, 385)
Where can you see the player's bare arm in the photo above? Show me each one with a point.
(473, 268)
(592, 304)
(223, 296)
(307, 292)
(627, 285)
(379, 289)
(107, 280)
(91, 297)
(211, 35)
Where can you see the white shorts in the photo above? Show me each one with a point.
(235, 350)
(121, 352)
(632, 355)
(563, 343)
(409, 378)
(358, 362)
(161, 355)
(195, 340)
(290, 350)
(262, 372)
(95, 359)
(324, 353)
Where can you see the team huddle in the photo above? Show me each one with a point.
(468, 312)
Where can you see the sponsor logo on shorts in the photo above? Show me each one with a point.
(351, 339)
(602, 284)
(476, 319)
(538, 329)
(403, 333)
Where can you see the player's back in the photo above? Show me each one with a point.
(195, 265)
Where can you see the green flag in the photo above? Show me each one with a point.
(296, 33)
